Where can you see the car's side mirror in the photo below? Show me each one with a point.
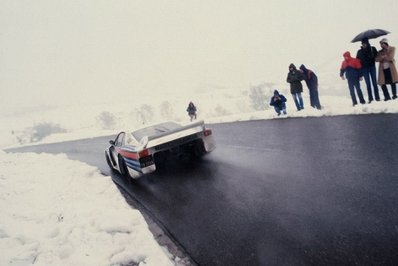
(112, 142)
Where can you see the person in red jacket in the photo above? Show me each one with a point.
(351, 67)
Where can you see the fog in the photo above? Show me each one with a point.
(81, 52)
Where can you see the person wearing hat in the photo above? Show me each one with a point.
(367, 55)
(387, 70)
(278, 101)
(351, 68)
(294, 77)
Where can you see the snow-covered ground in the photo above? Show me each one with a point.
(43, 124)
(56, 211)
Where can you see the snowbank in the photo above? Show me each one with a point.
(56, 211)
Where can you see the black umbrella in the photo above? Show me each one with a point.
(370, 34)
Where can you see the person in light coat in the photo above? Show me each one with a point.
(387, 70)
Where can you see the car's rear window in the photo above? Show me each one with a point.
(154, 130)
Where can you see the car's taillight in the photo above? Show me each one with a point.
(207, 132)
(143, 153)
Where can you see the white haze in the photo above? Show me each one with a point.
(72, 52)
(77, 69)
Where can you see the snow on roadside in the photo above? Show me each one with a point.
(332, 105)
(56, 211)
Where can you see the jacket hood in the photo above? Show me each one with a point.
(350, 62)
(384, 40)
(276, 92)
(347, 54)
(292, 66)
(302, 67)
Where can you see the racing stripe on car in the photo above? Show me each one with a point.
(130, 149)
(133, 164)
(128, 154)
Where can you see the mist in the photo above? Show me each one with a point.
(72, 52)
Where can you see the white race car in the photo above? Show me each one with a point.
(139, 152)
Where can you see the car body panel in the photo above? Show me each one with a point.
(135, 157)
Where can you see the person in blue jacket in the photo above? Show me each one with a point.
(312, 83)
(278, 101)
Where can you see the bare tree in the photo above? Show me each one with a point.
(166, 110)
(259, 96)
(107, 120)
(38, 132)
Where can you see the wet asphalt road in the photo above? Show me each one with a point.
(304, 191)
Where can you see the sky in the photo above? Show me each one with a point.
(82, 52)
(49, 214)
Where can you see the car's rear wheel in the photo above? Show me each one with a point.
(194, 150)
(123, 166)
(199, 149)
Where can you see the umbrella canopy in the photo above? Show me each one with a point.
(370, 34)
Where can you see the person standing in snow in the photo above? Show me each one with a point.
(294, 77)
(312, 83)
(351, 67)
(278, 101)
(191, 109)
(387, 69)
(367, 55)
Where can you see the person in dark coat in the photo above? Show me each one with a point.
(278, 101)
(191, 109)
(351, 67)
(294, 77)
(367, 55)
(312, 83)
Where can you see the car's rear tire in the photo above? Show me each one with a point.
(123, 166)
(199, 150)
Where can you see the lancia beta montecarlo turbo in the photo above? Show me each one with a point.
(134, 153)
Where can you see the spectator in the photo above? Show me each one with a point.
(295, 77)
(278, 101)
(351, 67)
(191, 111)
(312, 83)
(387, 69)
(367, 55)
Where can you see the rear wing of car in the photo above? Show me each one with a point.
(193, 127)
